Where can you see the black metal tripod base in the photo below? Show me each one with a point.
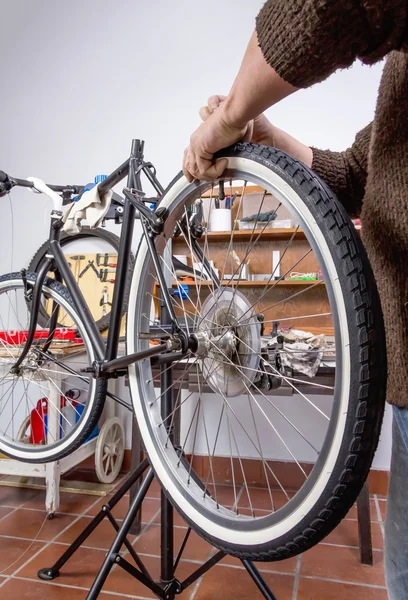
(169, 587)
(48, 574)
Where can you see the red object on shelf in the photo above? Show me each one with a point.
(20, 337)
(39, 418)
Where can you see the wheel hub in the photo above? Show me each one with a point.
(228, 342)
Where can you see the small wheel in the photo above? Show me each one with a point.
(39, 419)
(23, 433)
(110, 450)
(270, 461)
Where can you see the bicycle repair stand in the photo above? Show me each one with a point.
(168, 587)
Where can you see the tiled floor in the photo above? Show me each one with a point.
(28, 542)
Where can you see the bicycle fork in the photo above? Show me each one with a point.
(33, 295)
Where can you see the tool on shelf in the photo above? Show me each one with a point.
(102, 259)
(229, 201)
(103, 275)
(221, 195)
(104, 301)
(77, 258)
(90, 265)
(105, 297)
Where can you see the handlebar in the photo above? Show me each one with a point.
(134, 165)
(7, 183)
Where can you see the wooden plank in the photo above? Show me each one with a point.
(245, 283)
(228, 190)
(244, 235)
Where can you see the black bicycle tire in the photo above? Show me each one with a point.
(368, 377)
(87, 232)
(100, 391)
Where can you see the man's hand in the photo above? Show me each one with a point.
(260, 130)
(215, 133)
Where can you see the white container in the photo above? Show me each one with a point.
(282, 224)
(220, 219)
(256, 225)
(182, 258)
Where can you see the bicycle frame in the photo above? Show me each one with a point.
(107, 364)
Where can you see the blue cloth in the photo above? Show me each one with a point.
(396, 523)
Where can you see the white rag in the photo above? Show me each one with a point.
(91, 207)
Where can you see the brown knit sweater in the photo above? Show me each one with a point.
(307, 40)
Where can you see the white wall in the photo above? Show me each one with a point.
(80, 79)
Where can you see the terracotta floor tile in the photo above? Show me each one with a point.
(334, 562)
(37, 590)
(224, 583)
(346, 534)
(149, 508)
(26, 523)
(383, 508)
(15, 552)
(224, 494)
(83, 567)
(15, 496)
(178, 520)
(380, 497)
(196, 548)
(352, 514)
(69, 502)
(154, 490)
(5, 510)
(102, 537)
(313, 589)
(280, 566)
(261, 499)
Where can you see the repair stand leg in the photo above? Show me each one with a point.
(260, 583)
(136, 459)
(50, 573)
(364, 526)
(113, 553)
(167, 526)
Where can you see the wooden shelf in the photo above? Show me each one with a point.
(244, 235)
(244, 283)
(249, 189)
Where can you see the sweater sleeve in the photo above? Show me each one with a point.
(305, 41)
(346, 172)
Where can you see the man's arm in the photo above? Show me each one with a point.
(301, 42)
(346, 172)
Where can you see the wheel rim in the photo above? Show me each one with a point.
(49, 397)
(110, 450)
(212, 514)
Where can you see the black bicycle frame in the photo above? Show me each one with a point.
(106, 354)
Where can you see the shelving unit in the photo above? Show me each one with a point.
(262, 283)
(245, 235)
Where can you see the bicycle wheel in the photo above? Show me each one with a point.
(271, 460)
(47, 408)
(81, 244)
